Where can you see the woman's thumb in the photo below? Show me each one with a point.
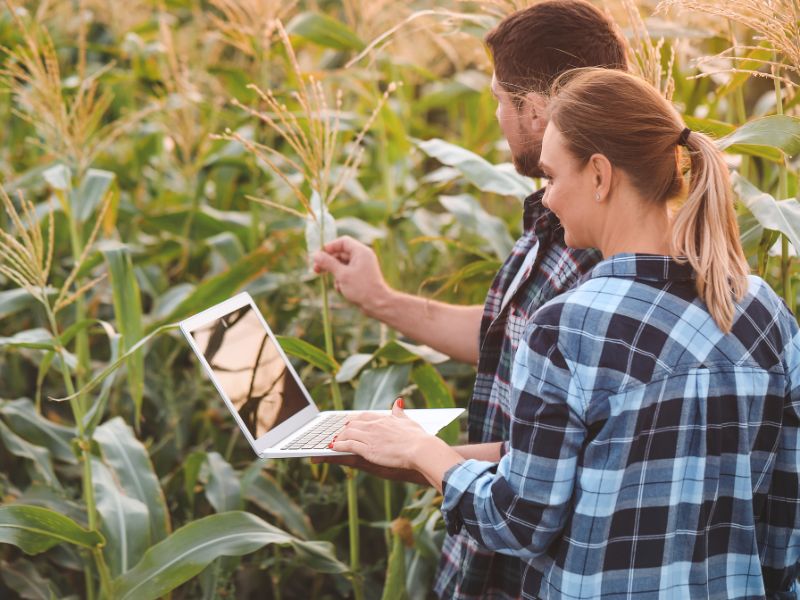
(397, 407)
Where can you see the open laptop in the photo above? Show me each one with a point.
(261, 388)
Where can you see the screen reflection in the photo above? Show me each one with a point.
(250, 370)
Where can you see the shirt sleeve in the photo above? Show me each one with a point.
(782, 511)
(520, 504)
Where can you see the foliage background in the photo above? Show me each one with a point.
(153, 194)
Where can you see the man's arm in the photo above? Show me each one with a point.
(448, 328)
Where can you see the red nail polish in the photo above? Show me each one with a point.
(400, 402)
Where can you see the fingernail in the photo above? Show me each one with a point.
(400, 402)
(330, 445)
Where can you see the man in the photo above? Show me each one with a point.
(530, 49)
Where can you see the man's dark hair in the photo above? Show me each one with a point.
(533, 46)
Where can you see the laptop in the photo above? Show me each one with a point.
(263, 391)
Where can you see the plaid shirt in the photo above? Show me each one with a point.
(651, 455)
(539, 268)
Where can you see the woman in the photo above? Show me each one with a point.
(654, 442)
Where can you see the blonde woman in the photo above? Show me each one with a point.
(654, 439)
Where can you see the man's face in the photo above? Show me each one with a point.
(523, 127)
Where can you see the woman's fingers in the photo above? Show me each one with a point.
(350, 445)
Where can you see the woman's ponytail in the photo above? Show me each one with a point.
(705, 231)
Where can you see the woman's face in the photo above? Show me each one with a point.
(571, 190)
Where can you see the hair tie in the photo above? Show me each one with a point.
(683, 138)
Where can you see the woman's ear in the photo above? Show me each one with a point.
(601, 172)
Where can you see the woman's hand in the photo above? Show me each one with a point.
(397, 442)
(388, 441)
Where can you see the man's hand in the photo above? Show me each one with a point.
(355, 269)
(357, 462)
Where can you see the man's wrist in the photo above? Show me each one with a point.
(378, 304)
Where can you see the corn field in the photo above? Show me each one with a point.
(159, 157)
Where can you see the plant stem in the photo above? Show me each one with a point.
(352, 490)
(85, 445)
(783, 191)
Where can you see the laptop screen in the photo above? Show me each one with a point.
(252, 373)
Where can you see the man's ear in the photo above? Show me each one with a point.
(602, 173)
(536, 108)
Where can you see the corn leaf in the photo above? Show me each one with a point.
(477, 170)
(23, 577)
(378, 388)
(128, 459)
(21, 415)
(92, 192)
(223, 488)
(309, 353)
(779, 132)
(778, 215)
(124, 520)
(34, 529)
(39, 456)
(437, 395)
(468, 211)
(218, 288)
(324, 31)
(260, 488)
(191, 548)
(128, 312)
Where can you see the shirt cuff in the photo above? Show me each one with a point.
(456, 482)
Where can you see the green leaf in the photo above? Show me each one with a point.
(128, 459)
(782, 216)
(753, 61)
(351, 366)
(30, 425)
(39, 457)
(115, 364)
(309, 353)
(260, 488)
(223, 488)
(23, 577)
(95, 186)
(220, 287)
(16, 300)
(397, 351)
(468, 211)
(128, 312)
(324, 31)
(437, 395)
(58, 177)
(227, 249)
(191, 548)
(124, 521)
(477, 170)
(206, 222)
(37, 339)
(34, 529)
(775, 131)
(377, 388)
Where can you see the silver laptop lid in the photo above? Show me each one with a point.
(250, 371)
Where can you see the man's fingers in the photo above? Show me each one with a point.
(344, 244)
(325, 263)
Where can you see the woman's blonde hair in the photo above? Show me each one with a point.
(600, 111)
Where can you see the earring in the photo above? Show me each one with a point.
(597, 196)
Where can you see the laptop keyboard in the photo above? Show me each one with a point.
(320, 435)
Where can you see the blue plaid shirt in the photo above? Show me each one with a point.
(539, 268)
(651, 455)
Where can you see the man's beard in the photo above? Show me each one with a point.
(527, 163)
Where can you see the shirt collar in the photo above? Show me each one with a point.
(538, 218)
(653, 267)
